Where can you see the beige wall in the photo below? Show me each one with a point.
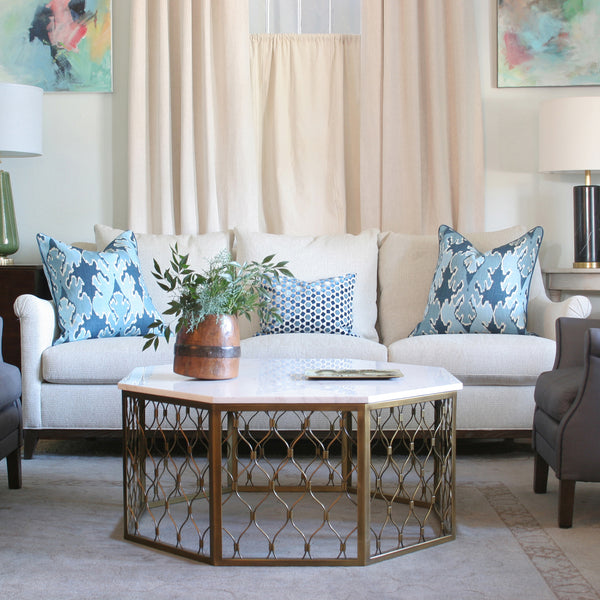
(82, 177)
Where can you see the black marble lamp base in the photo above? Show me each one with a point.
(586, 206)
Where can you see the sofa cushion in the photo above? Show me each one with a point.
(97, 294)
(321, 306)
(555, 390)
(480, 359)
(406, 267)
(312, 345)
(100, 361)
(319, 257)
(480, 292)
(200, 248)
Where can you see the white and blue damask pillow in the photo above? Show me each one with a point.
(97, 294)
(475, 292)
(321, 306)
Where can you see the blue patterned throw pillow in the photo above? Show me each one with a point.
(322, 306)
(475, 292)
(97, 294)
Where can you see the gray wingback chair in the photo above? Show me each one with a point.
(11, 422)
(566, 422)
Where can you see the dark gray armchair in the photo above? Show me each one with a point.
(11, 422)
(566, 422)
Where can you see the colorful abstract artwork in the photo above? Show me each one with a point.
(58, 45)
(548, 43)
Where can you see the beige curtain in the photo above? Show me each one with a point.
(304, 133)
(306, 99)
(421, 117)
(192, 150)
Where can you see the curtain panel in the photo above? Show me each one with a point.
(306, 93)
(304, 134)
(191, 132)
(421, 116)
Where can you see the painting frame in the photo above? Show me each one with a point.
(58, 45)
(548, 43)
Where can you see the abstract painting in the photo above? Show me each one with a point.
(58, 45)
(548, 43)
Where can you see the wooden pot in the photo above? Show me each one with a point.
(211, 351)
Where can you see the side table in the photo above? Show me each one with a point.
(583, 281)
(14, 281)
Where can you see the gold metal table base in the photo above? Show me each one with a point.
(338, 486)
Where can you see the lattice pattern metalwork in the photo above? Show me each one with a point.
(265, 486)
(166, 474)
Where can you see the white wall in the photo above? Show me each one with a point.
(82, 177)
(514, 190)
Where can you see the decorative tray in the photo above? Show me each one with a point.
(353, 374)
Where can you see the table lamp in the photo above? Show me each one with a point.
(569, 142)
(20, 136)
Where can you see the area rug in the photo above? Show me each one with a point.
(61, 538)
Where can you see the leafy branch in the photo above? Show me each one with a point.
(226, 287)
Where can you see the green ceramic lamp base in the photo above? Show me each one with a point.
(9, 237)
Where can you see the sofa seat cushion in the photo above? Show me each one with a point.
(100, 361)
(312, 345)
(555, 390)
(480, 359)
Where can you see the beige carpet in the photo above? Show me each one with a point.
(61, 538)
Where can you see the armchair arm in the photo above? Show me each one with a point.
(570, 338)
(542, 313)
(579, 427)
(37, 319)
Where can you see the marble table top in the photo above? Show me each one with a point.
(284, 381)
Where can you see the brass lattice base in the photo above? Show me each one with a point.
(336, 486)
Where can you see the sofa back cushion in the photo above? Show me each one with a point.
(318, 257)
(201, 248)
(406, 267)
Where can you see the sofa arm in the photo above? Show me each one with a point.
(37, 320)
(542, 313)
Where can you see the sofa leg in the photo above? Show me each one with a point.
(31, 438)
(566, 500)
(540, 475)
(13, 466)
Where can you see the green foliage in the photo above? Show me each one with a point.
(226, 287)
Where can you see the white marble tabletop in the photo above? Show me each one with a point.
(283, 381)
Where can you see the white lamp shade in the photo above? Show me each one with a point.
(20, 120)
(570, 134)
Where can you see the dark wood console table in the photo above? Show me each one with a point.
(14, 281)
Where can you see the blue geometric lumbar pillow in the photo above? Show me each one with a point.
(475, 292)
(97, 294)
(322, 306)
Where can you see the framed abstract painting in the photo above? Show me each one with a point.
(58, 45)
(548, 43)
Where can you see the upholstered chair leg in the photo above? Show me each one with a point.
(566, 500)
(540, 475)
(13, 466)
(30, 439)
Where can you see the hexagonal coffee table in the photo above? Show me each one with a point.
(275, 468)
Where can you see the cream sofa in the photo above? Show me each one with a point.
(70, 388)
